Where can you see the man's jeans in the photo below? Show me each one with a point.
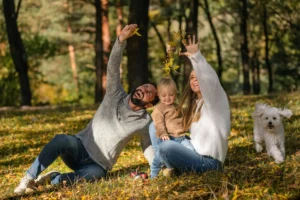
(73, 154)
(157, 163)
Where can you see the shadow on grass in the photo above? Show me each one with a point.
(42, 109)
(124, 172)
(33, 194)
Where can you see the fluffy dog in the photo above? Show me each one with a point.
(268, 127)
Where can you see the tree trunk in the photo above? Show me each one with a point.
(72, 51)
(106, 43)
(257, 71)
(180, 63)
(191, 29)
(137, 47)
(244, 46)
(74, 67)
(161, 39)
(267, 61)
(169, 22)
(17, 51)
(99, 53)
(254, 62)
(120, 17)
(120, 26)
(216, 37)
(194, 16)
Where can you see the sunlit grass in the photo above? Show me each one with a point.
(247, 174)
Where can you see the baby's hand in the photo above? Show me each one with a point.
(164, 138)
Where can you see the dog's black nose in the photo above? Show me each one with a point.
(270, 123)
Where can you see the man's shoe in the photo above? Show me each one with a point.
(169, 172)
(26, 182)
(46, 178)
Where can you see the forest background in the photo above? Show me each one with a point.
(56, 52)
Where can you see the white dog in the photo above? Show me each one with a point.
(268, 127)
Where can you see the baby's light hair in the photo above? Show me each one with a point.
(167, 82)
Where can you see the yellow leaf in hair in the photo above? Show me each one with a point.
(170, 48)
(171, 43)
(176, 67)
(177, 35)
(166, 69)
(136, 32)
(167, 65)
(171, 61)
(182, 34)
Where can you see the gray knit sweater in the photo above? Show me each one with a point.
(114, 123)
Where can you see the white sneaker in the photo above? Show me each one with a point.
(46, 178)
(26, 182)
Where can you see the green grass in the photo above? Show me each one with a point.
(247, 174)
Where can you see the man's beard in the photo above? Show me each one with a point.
(135, 101)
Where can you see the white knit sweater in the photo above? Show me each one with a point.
(209, 135)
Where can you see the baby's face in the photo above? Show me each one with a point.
(167, 95)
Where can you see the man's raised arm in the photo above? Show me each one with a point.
(113, 82)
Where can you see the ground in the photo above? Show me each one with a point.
(247, 174)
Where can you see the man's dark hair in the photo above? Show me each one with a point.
(156, 99)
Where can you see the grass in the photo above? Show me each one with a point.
(247, 174)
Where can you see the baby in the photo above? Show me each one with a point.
(167, 121)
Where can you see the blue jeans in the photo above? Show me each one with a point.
(157, 163)
(155, 140)
(183, 160)
(73, 154)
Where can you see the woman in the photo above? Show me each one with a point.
(207, 116)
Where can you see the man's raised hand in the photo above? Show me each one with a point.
(127, 32)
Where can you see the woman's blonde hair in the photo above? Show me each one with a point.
(188, 106)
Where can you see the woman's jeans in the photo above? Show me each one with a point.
(183, 160)
(157, 163)
(175, 155)
(73, 154)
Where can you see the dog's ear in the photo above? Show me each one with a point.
(259, 109)
(257, 114)
(285, 112)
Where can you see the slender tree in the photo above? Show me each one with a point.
(99, 53)
(191, 29)
(266, 34)
(161, 39)
(180, 59)
(255, 69)
(244, 45)
(120, 17)
(17, 50)
(72, 49)
(216, 37)
(120, 25)
(137, 47)
(106, 43)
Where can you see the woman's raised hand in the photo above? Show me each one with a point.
(127, 32)
(191, 46)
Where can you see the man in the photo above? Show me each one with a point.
(94, 150)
